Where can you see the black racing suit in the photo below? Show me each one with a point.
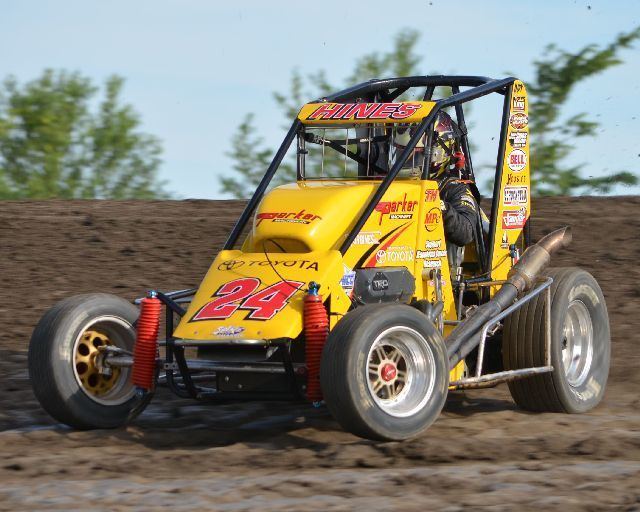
(460, 211)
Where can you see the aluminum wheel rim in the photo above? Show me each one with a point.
(400, 371)
(103, 331)
(577, 344)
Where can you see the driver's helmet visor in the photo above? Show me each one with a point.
(415, 162)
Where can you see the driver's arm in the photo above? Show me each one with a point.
(459, 212)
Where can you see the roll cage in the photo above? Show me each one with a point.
(387, 90)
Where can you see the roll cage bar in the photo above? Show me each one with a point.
(386, 90)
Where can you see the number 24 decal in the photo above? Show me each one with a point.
(239, 294)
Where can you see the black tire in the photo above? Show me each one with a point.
(352, 349)
(53, 366)
(576, 299)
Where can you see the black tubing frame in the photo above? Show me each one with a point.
(387, 90)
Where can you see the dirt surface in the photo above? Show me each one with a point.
(482, 452)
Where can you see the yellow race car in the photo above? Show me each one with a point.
(342, 288)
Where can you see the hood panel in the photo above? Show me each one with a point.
(316, 214)
(242, 295)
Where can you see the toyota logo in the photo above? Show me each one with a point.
(230, 265)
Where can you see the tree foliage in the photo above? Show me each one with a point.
(53, 144)
(555, 77)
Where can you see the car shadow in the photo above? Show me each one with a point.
(469, 403)
(172, 423)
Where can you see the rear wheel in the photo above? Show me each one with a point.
(64, 367)
(384, 372)
(580, 345)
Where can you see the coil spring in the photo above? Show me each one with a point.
(316, 330)
(146, 348)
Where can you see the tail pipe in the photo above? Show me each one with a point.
(522, 276)
(146, 347)
(316, 330)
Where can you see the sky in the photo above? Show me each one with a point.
(194, 68)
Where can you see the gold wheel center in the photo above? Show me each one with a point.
(88, 349)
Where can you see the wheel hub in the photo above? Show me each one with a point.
(85, 360)
(577, 344)
(388, 372)
(400, 367)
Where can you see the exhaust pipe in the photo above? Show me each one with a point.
(521, 278)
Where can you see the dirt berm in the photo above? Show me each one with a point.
(482, 452)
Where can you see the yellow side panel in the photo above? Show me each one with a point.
(388, 238)
(364, 113)
(514, 199)
(431, 252)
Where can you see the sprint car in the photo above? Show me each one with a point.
(341, 288)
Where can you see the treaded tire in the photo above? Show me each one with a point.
(524, 343)
(345, 366)
(51, 360)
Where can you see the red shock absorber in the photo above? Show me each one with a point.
(146, 348)
(316, 330)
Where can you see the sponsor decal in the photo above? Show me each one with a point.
(348, 280)
(300, 217)
(302, 264)
(227, 330)
(515, 196)
(380, 282)
(230, 265)
(518, 139)
(518, 120)
(432, 263)
(243, 294)
(396, 209)
(431, 253)
(518, 103)
(517, 87)
(505, 241)
(517, 160)
(394, 255)
(367, 238)
(433, 244)
(430, 195)
(516, 179)
(401, 216)
(514, 219)
(347, 111)
(432, 219)
(368, 259)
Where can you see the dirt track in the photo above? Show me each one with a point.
(482, 452)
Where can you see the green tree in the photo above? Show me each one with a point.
(556, 76)
(54, 145)
(250, 161)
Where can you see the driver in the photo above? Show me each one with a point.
(459, 207)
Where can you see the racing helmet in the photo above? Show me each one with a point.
(443, 147)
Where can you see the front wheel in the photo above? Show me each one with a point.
(63, 361)
(384, 372)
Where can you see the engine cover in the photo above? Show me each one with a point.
(383, 284)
